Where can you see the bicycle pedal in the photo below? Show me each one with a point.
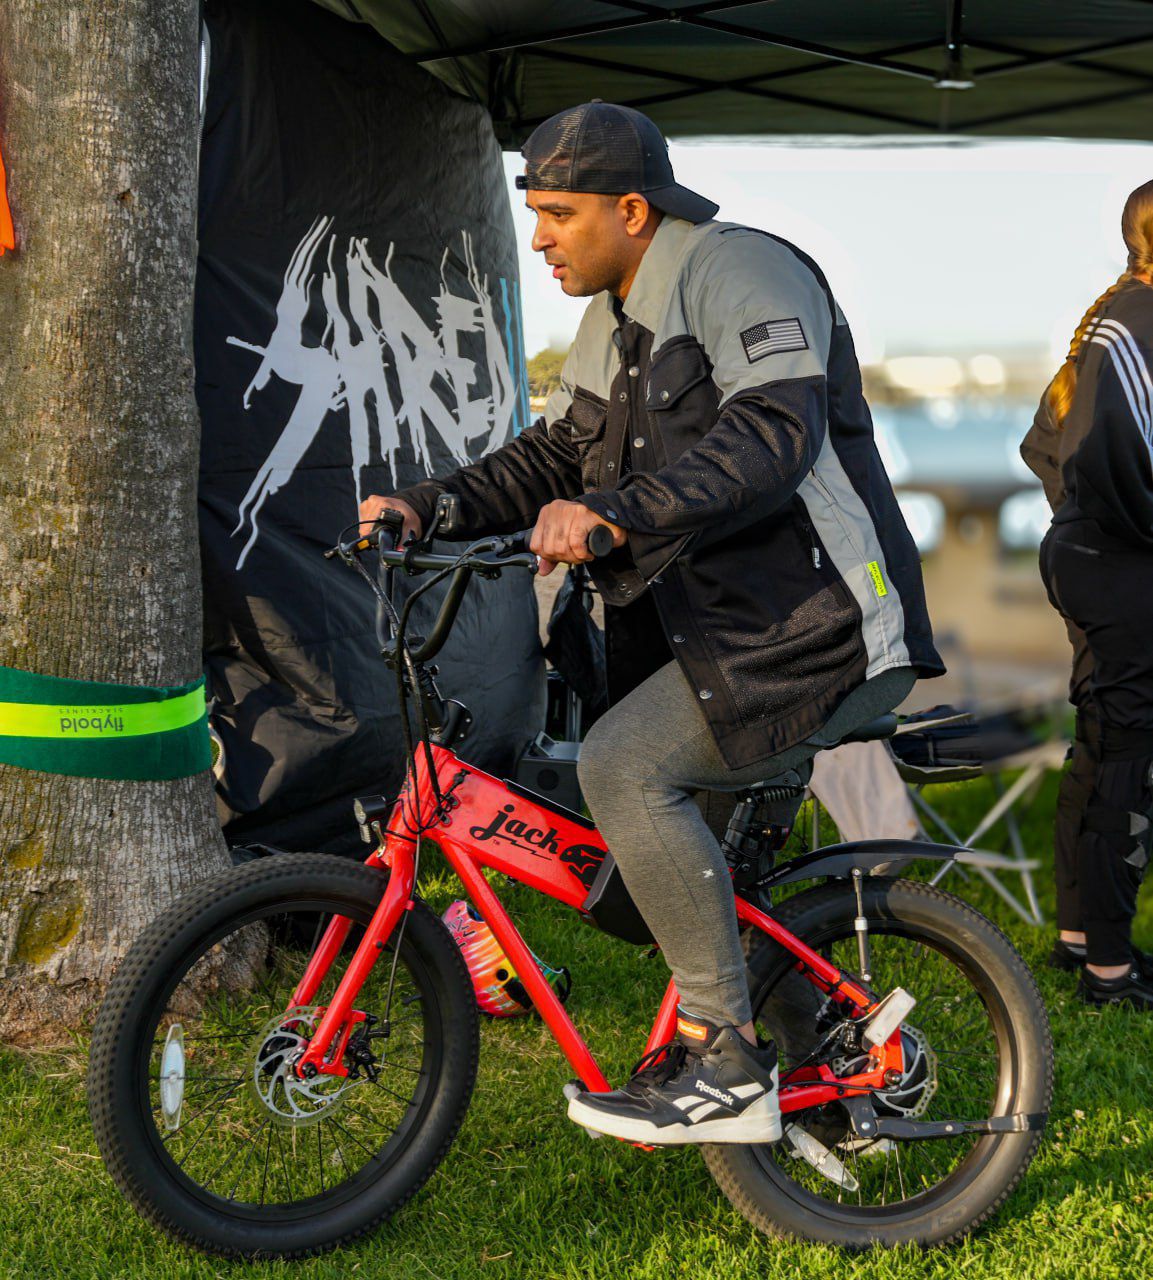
(572, 1090)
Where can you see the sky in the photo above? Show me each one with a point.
(962, 248)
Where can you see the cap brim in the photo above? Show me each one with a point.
(682, 203)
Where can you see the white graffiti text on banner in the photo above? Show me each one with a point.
(381, 361)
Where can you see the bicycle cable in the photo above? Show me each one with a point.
(406, 664)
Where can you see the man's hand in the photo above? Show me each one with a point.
(561, 532)
(371, 508)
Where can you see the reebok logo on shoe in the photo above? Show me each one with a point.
(726, 1098)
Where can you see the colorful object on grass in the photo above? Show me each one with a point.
(499, 992)
(7, 230)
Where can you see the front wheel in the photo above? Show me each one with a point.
(976, 1046)
(199, 1116)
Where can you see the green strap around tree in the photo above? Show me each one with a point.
(92, 730)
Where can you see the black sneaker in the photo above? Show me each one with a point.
(1070, 957)
(1132, 989)
(711, 1086)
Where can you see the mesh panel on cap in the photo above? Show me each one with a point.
(609, 155)
(584, 149)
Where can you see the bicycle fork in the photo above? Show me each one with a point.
(325, 1052)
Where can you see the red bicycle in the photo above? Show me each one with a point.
(286, 1054)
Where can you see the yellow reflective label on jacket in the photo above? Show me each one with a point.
(878, 579)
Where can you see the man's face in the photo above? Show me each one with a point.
(586, 238)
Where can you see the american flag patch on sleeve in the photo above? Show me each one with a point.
(773, 336)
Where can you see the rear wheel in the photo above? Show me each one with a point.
(977, 1045)
(198, 1113)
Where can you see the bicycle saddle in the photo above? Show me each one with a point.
(882, 727)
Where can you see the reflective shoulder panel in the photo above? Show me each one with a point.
(760, 309)
(592, 360)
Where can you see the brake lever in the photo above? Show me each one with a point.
(346, 549)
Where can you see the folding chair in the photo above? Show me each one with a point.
(1013, 802)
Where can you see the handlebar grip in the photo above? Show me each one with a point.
(600, 540)
(392, 523)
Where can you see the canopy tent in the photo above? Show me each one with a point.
(719, 67)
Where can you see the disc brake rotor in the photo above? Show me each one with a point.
(293, 1102)
(911, 1095)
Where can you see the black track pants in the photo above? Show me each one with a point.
(1104, 592)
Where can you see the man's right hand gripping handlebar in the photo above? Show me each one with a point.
(565, 532)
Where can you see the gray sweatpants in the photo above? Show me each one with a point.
(639, 767)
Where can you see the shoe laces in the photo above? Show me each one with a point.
(652, 1067)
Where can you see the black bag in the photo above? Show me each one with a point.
(970, 742)
(576, 645)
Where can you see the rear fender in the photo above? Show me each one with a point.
(872, 857)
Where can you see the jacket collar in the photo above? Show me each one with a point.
(657, 272)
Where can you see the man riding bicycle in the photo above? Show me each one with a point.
(763, 596)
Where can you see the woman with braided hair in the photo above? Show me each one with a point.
(1091, 444)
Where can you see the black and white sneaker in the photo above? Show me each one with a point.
(1071, 957)
(711, 1085)
(1132, 989)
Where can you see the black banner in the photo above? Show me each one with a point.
(357, 328)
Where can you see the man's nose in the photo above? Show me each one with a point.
(541, 240)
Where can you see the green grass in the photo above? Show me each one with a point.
(525, 1193)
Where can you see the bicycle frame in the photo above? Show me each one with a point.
(491, 825)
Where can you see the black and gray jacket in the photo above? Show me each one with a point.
(1098, 466)
(717, 415)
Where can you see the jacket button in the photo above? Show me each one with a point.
(678, 639)
(612, 466)
(634, 370)
(664, 395)
(706, 694)
(639, 442)
(626, 591)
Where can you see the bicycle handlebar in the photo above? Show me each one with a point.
(489, 556)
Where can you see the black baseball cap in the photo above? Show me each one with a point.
(600, 147)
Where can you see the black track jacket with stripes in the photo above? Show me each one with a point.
(717, 415)
(1099, 465)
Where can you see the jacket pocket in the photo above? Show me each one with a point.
(680, 396)
(589, 415)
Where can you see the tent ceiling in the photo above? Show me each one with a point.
(714, 67)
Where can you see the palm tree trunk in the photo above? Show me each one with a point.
(99, 436)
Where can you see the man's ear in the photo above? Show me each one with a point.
(637, 211)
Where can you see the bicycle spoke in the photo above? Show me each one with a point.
(388, 1062)
(284, 1162)
(240, 1148)
(370, 1153)
(399, 1097)
(251, 1147)
(267, 1156)
(219, 1103)
(340, 1153)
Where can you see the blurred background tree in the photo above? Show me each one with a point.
(544, 372)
